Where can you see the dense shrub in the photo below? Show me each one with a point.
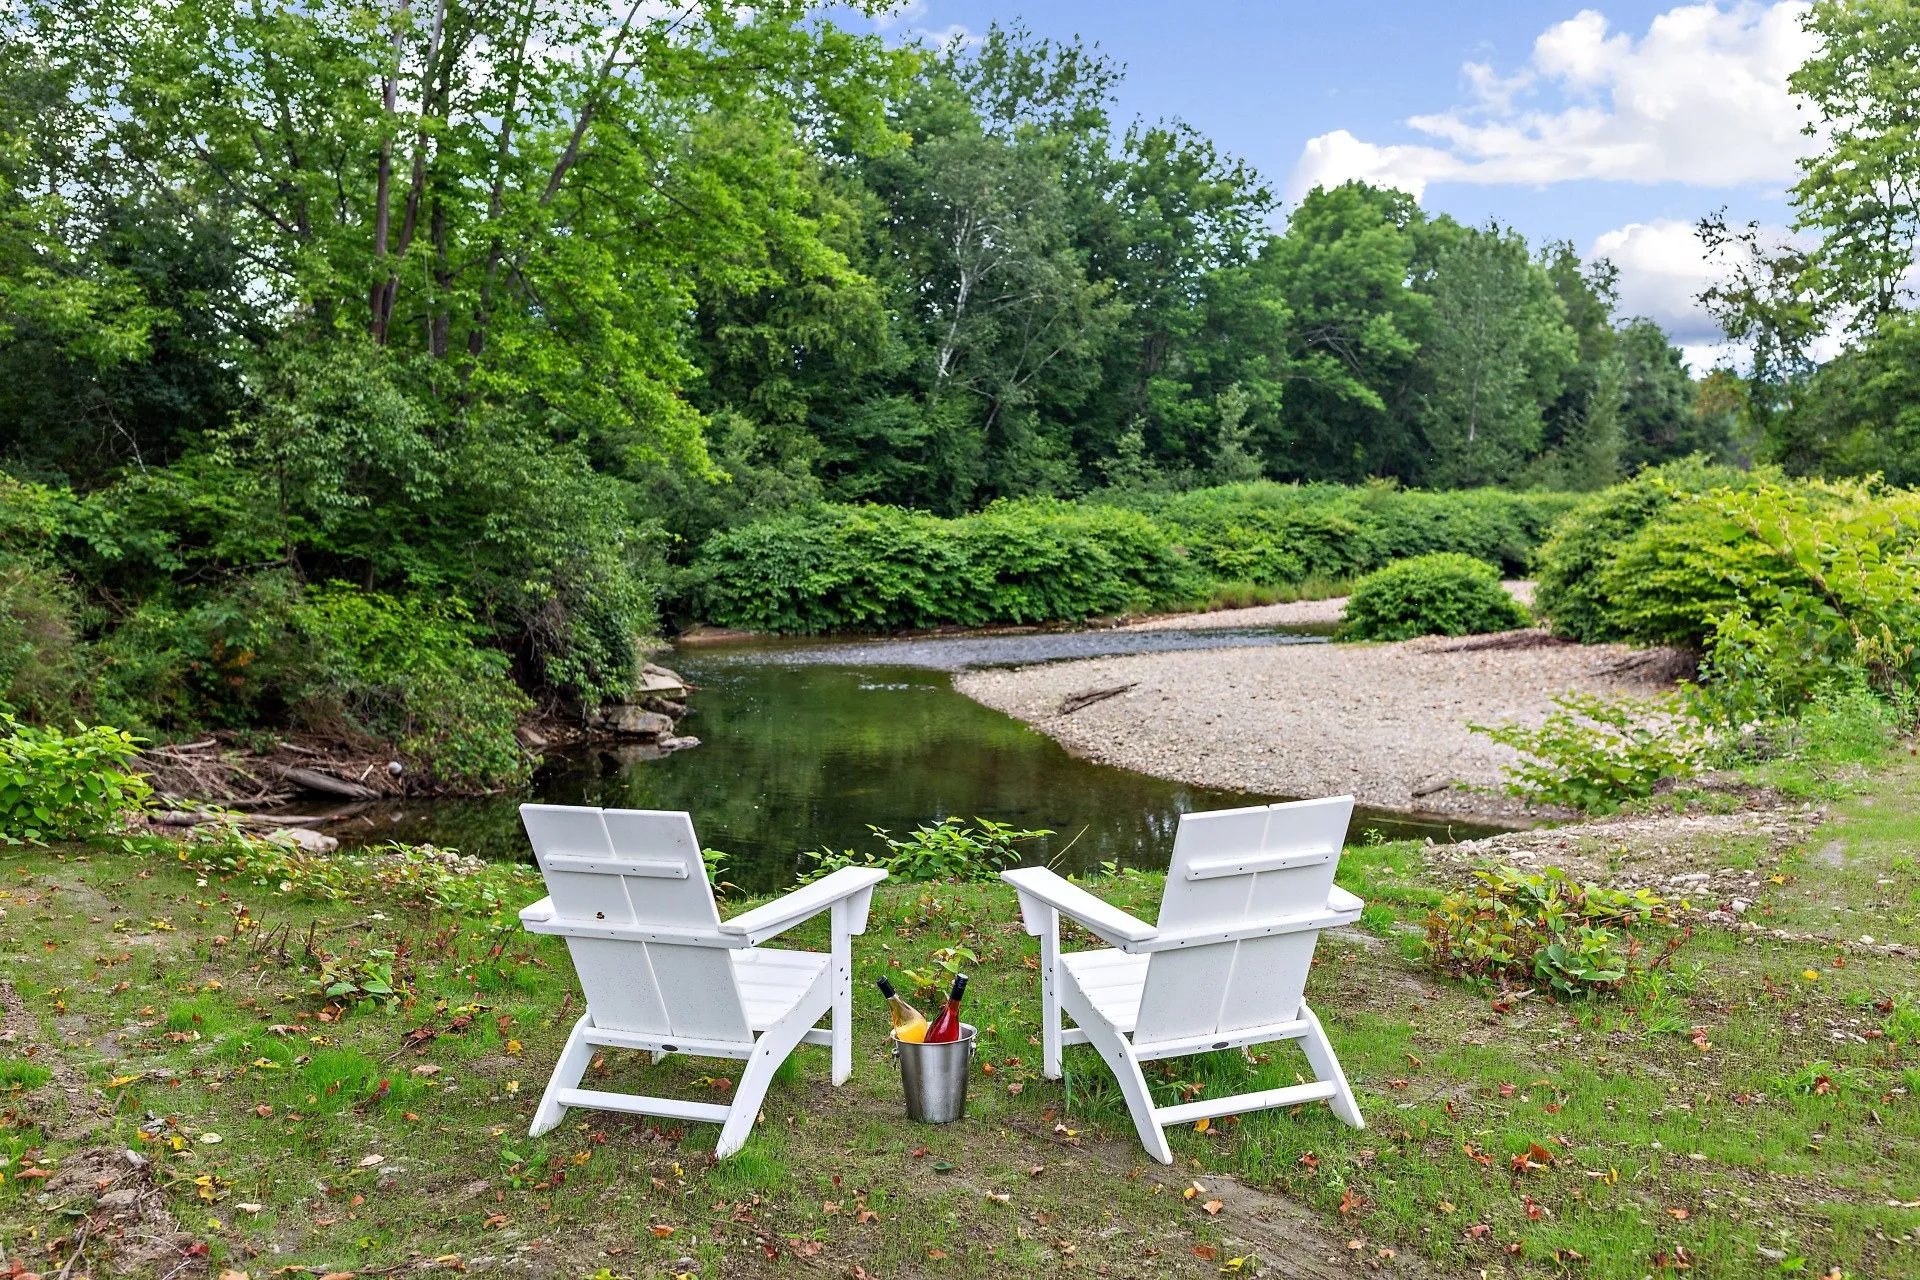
(885, 568)
(40, 672)
(1279, 534)
(61, 786)
(1445, 594)
(409, 673)
(1573, 938)
(1571, 565)
(882, 568)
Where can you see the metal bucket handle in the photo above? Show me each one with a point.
(972, 1043)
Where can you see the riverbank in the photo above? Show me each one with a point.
(1324, 612)
(1748, 1110)
(1385, 723)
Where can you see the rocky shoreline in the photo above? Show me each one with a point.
(1386, 723)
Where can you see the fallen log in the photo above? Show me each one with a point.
(327, 783)
(1087, 697)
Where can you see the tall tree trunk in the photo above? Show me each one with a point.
(383, 184)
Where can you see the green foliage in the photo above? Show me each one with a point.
(1593, 753)
(409, 672)
(1840, 606)
(1445, 594)
(64, 786)
(886, 568)
(1039, 560)
(1577, 940)
(945, 850)
(1571, 564)
(353, 977)
(1280, 535)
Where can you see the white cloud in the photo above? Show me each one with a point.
(1701, 98)
(1663, 270)
(1337, 157)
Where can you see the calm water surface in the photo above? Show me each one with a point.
(804, 745)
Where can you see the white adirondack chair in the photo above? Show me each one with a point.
(662, 972)
(1247, 895)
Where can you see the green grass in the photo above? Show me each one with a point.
(1784, 1138)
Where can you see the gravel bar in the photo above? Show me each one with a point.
(1386, 723)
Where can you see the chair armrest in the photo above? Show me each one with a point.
(1037, 884)
(1340, 900)
(807, 901)
(537, 913)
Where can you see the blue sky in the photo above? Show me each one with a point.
(1614, 125)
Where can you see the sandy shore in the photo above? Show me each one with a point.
(1384, 722)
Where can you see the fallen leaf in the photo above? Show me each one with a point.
(1205, 1252)
(210, 1138)
(865, 1216)
(263, 1111)
(1213, 1207)
(1202, 1125)
(1016, 1087)
(368, 1161)
(803, 1248)
(1350, 1201)
(937, 1254)
(661, 1230)
(248, 1207)
(500, 1220)
(1310, 1161)
(998, 1197)
(425, 1069)
(1506, 1090)
(1678, 1215)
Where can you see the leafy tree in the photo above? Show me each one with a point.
(1860, 412)
(1353, 329)
(1861, 192)
(1498, 352)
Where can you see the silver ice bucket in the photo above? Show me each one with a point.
(935, 1077)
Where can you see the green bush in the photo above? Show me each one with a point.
(1572, 938)
(60, 786)
(887, 568)
(1282, 534)
(946, 850)
(1446, 594)
(409, 673)
(1042, 560)
(1574, 592)
(40, 671)
(1593, 753)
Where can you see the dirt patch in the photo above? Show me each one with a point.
(1721, 863)
(124, 1220)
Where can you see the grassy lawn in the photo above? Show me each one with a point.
(1754, 1116)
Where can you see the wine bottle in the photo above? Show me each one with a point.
(908, 1025)
(946, 1023)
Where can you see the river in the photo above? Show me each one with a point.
(806, 745)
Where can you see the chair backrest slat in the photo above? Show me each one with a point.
(1238, 867)
(639, 867)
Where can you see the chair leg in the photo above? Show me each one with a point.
(1050, 997)
(842, 972)
(566, 1075)
(775, 1043)
(1326, 1067)
(1126, 1069)
(659, 1056)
